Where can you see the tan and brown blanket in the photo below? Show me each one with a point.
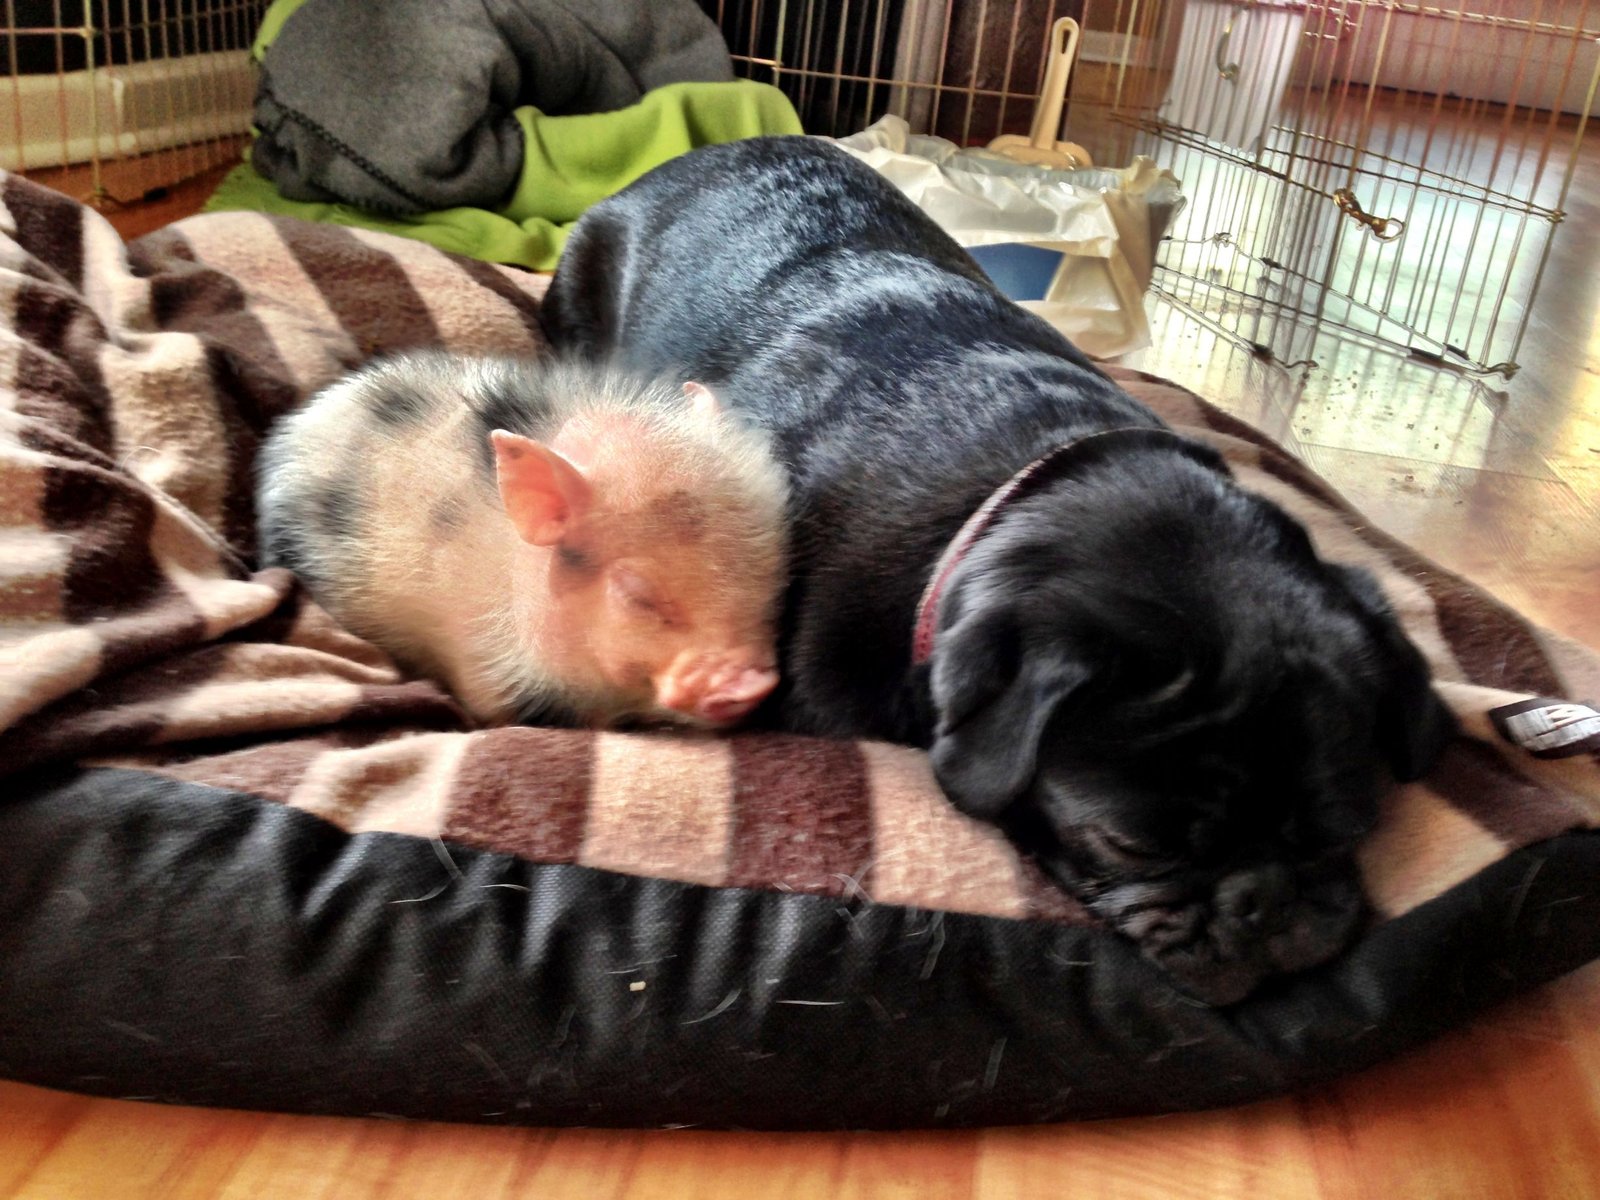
(135, 386)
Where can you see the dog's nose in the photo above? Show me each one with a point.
(1256, 897)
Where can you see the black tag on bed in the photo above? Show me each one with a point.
(1549, 728)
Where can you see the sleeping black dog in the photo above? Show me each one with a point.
(1142, 672)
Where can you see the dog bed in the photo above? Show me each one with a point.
(244, 862)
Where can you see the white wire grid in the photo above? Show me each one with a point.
(134, 94)
(1387, 169)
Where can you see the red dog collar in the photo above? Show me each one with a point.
(1041, 471)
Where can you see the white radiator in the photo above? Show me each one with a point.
(123, 111)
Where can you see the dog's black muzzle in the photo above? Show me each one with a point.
(1220, 936)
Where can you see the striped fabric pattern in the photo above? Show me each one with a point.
(135, 386)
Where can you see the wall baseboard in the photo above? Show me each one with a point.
(120, 112)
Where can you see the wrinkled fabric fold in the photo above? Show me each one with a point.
(410, 105)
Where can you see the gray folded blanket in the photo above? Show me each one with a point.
(408, 105)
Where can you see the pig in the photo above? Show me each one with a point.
(553, 542)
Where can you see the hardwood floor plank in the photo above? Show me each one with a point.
(1257, 1150)
(910, 1166)
(110, 1148)
(435, 1161)
(1433, 1125)
(591, 1163)
(33, 1129)
(735, 1166)
(312, 1157)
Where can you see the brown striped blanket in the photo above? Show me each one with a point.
(135, 386)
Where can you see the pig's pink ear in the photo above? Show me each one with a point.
(543, 492)
(703, 402)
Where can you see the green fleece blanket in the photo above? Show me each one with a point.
(569, 163)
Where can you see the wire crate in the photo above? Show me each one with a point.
(966, 71)
(1385, 169)
(119, 98)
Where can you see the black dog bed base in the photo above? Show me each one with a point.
(213, 948)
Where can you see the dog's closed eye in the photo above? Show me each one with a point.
(1174, 687)
(1120, 847)
(1147, 682)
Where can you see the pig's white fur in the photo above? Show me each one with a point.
(427, 570)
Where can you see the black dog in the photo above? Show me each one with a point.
(1143, 672)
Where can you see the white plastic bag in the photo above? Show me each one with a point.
(1103, 223)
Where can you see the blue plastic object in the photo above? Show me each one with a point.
(1021, 272)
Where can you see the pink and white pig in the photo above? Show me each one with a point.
(548, 540)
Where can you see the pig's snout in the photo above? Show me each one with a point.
(715, 691)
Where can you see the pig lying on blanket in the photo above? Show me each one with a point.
(550, 541)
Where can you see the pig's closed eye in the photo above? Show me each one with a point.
(573, 559)
(641, 598)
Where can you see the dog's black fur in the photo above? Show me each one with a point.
(1142, 672)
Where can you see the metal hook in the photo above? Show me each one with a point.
(1385, 229)
(1228, 70)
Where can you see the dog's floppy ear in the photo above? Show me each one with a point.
(994, 702)
(1414, 726)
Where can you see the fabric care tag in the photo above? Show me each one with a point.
(1549, 728)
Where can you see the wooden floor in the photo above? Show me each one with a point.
(1502, 486)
